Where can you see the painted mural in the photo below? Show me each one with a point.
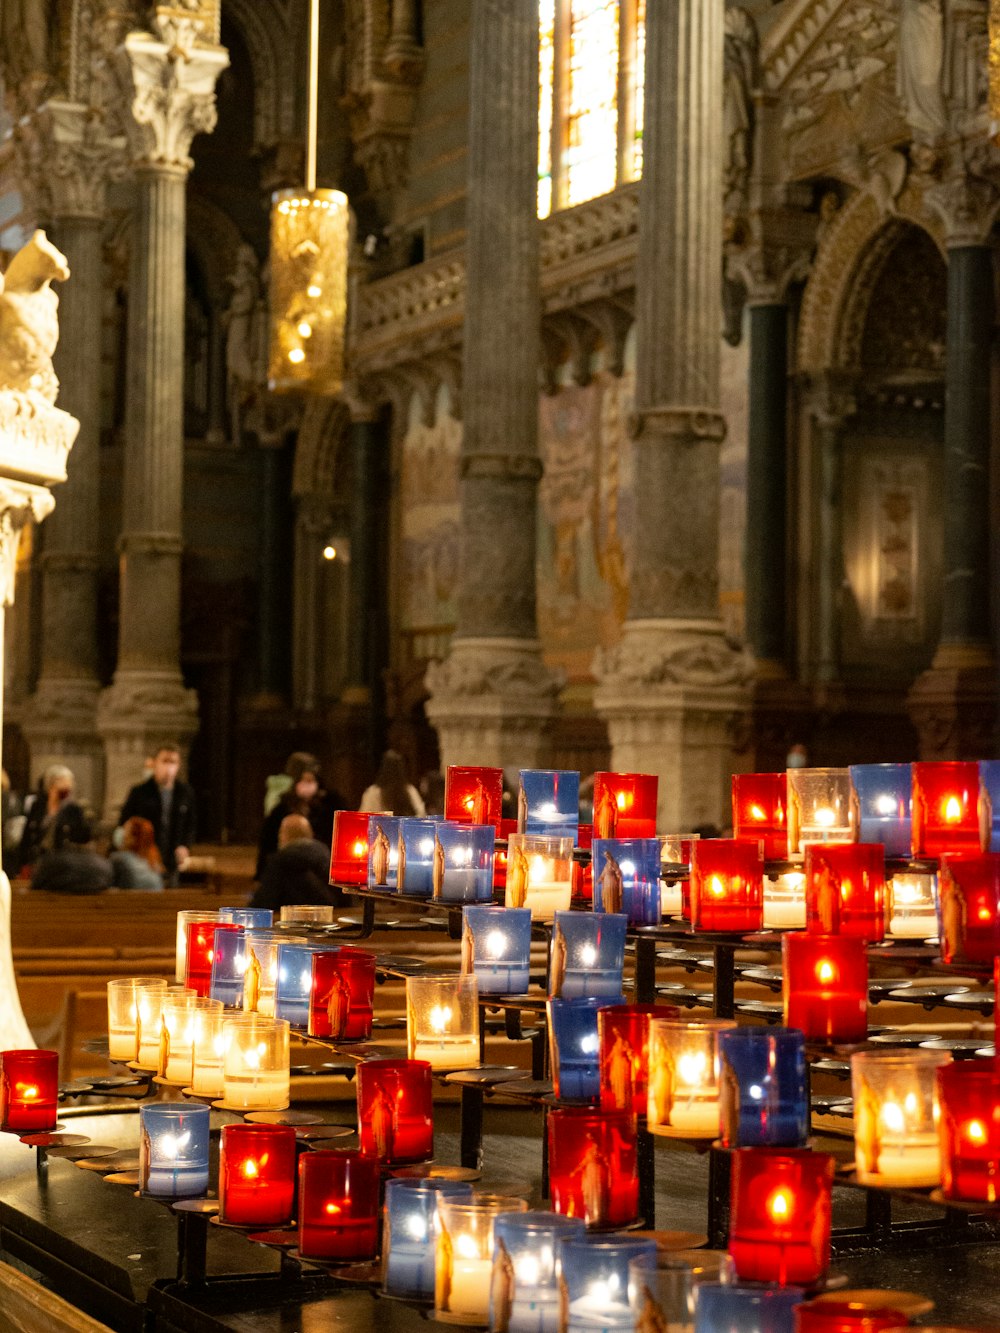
(430, 518)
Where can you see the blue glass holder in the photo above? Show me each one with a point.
(627, 878)
(989, 785)
(730, 1308)
(587, 955)
(575, 1046)
(463, 862)
(415, 869)
(526, 1269)
(293, 985)
(764, 1087)
(549, 802)
(408, 1233)
(229, 963)
(883, 796)
(496, 945)
(383, 853)
(595, 1276)
(173, 1150)
(252, 918)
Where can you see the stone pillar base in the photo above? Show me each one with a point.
(954, 705)
(493, 702)
(781, 714)
(59, 722)
(141, 710)
(674, 698)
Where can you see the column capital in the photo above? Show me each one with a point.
(173, 91)
(967, 206)
(766, 270)
(678, 423)
(66, 158)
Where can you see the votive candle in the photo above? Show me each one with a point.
(123, 1036)
(625, 805)
(496, 946)
(473, 795)
(969, 1095)
(349, 848)
(257, 1172)
(595, 1277)
(574, 1046)
(409, 1232)
(825, 986)
(343, 994)
(760, 811)
(623, 1032)
(593, 1166)
(464, 1256)
(845, 889)
(173, 1150)
(820, 808)
(395, 1111)
(731, 1308)
(442, 1020)
(587, 954)
(415, 858)
(338, 1205)
(970, 907)
(684, 1077)
(463, 862)
(200, 953)
(526, 1270)
(549, 802)
(627, 878)
(781, 1214)
(765, 1087)
(255, 1063)
(945, 808)
(727, 885)
(383, 853)
(883, 793)
(896, 1115)
(539, 874)
(29, 1090)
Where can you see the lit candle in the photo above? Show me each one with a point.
(442, 1020)
(595, 1274)
(684, 1077)
(338, 1205)
(627, 878)
(464, 1257)
(727, 885)
(593, 1166)
(883, 793)
(539, 874)
(341, 1002)
(760, 803)
(349, 848)
(415, 858)
(945, 808)
(623, 1031)
(896, 1117)
(970, 908)
(463, 862)
(201, 936)
(526, 1270)
(781, 1212)
(255, 1063)
(473, 795)
(207, 1079)
(785, 901)
(257, 1165)
(825, 986)
(409, 1232)
(549, 802)
(383, 853)
(574, 1046)
(913, 906)
(395, 1111)
(732, 1307)
(587, 955)
(496, 946)
(820, 807)
(184, 919)
(845, 889)
(833, 1316)
(969, 1095)
(123, 1034)
(29, 1090)
(765, 1087)
(173, 1150)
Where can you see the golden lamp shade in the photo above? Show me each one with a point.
(308, 295)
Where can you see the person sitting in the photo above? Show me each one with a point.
(71, 865)
(169, 806)
(54, 819)
(298, 872)
(138, 864)
(305, 796)
(391, 793)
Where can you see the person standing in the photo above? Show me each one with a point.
(392, 791)
(169, 805)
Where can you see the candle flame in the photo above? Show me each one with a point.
(332, 1208)
(825, 817)
(620, 799)
(952, 810)
(893, 1118)
(251, 1169)
(28, 1092)
(588, 955)
(360, 849)
(172, 1146)
(825, 970)
(975, 1131)
(716, 887)
(779, 1205)
(692, 1067)
(466, 1247)
(496, 944)
(440, 1018)
(757, 813)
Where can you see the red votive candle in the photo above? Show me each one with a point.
(969, 1129)
(473, 795)
(29, 1090)
(945, 808)
(727, 885)
(781, 1209)
(583, 875)
(969, 888)
(507, 827)
(845, 889)
(395, 1111)
(592, 1165)
(825, 986)
(200, 952)
(760, 811)
(625, 805)
(257, 1175)
(623, 1030)
(342, 995)
(846, 1317)
(349, 848)
(338, 1205)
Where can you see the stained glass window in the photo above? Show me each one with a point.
(590, 156)
(638, 88)
(546, 93)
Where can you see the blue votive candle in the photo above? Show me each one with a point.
(408, 1233)
(173, 1150)
(549, 802)
(763, 1087)
(253, 918)
(463, 862)
(229, 964)
(294, 982)
(415, 869)
(575, 1047)
(587, 955)
(595, 1275)
(724, 1308)
(627, 878)
(883, 793)
(496, 945)
(524, 1295)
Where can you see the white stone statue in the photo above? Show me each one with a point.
(246, 334)
(29, 320)
(920, 66)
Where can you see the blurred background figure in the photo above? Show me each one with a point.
(305, 795)
(392, 792)
(432, 792)
(168, 804)
(798, 756)
(70, 864)
(54, 819)
(299, 871)
(137, 864)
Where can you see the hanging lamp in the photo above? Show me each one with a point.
(308, 287)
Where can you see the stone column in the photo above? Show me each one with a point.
(954, 704)
(364, 581)
(671, 691)
(173, 86)
(767, 486)
(312, 528)
(493, 699)
(69, 159)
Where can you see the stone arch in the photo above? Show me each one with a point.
(268, 34)
(320, 453)
(847, 265)
(213, 238)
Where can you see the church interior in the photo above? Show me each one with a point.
(499, 507)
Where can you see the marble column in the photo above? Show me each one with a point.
(672, 690)
(173, 86)
(492, 699)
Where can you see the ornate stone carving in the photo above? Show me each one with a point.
(920, 66)
(741, 75)
(20, 503)
(65, 161)
(26, 28)
(671, 655)
(966, 204)
(502, 668)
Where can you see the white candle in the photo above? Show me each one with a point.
(460, 1052)
(460, 885)
(262, 1092)
(671, 899)
(470, 1287)
(592, 1314)
(697, 1117)
(784, 913)
(121, 1043)
(546, 897)
(915, 1165)
(915, 926)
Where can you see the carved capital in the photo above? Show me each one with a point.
(173, 92)
(966, 204)
(694, 424)
(766, 271)
(66, 157)
(501, 467)
(681, 653)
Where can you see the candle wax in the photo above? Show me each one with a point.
(587, 1313)
(536, 1312)
(670, 899)
(352, 1238)
(121, 1043)
(461, 886)
(470, 1288)
(548, 896)
(915, 926)
(916, 1163)
(695, 1117)
(447, 1052)
(783, 914)
(580, 983)
(253, 1093)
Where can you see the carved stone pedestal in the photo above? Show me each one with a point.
(672, 694)
(140, 711)
(954, 705)
(493, 702)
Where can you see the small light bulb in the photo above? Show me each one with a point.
(304, 329)
(296, 356)
(329, 552)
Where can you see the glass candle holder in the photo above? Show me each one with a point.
(969, 1094)
(825, 986)
(595, 1276)
(255, 1059)
(383, 853)
(201, 936)
(587, 955)
(945, 808)
(896, 1115)
(684, 1077)
(765, 1088)
(727, 885)
(250, 918)
(207, 1079)
(524, 1297)
(625, 805)
(592, 1165)
(442, 1020)
(539, 874)
(464, 1256)
(349, 848)
(623, 1034)
(913, 906)
(463, 862)
(970, 908)
(184, 919)
(883, 794)
(583, 875)
(415, 858)
(260, 978)
(989, 804)
(343, 994)
(396, 1111)
(496, 946)
(408, 1233)
(257, 1165)
(507, 828)
(675, 850)
(181, 1019)
(123, 1038)
(661, 1293)
(760, 811)
(338, 1205)
(785, 901)
(473, 795)
(845, 889)
(29, 1090)
(574, 1046)
(820, 807)
(229, 965)
(781, 1211)
(731, 1308)
(293, 987)
(173, 1150)
(149, 1000)
(627, 878)
(548, 801)
(832, 1316)
(307, 914)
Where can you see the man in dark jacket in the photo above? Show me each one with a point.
(298, 872)
(168, 804)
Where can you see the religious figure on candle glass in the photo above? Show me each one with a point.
(522, 810)
(468, 956)
(478, 804)
(164, 1048)
(652, 1318)
(827, 905)
(401, 864)
(337, 1005)
(383, 1122)
(380, 857)
(952, 917)
(438, 867)
(502, 1290)
(442, 1263)
(729, 1103)
(593, 1174)
(251, 983)
(145, 1156)
(605, 814)
(662, 1083)
(866, 1135)
(517, 878)
(557, 962)
(612, 884)
(623, 1067)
